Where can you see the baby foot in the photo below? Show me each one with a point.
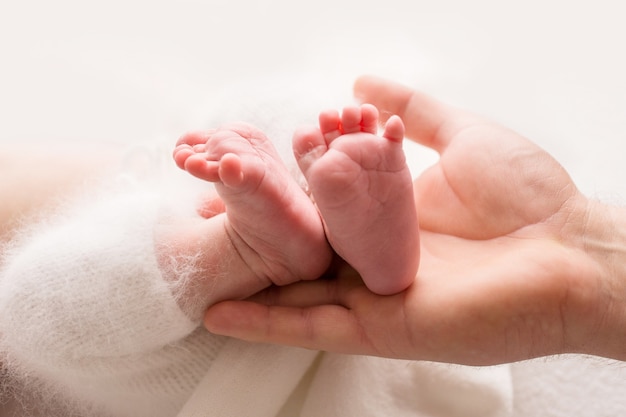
(363, 189)
(272, 223)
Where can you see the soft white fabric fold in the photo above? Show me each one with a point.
(346, 385)
(249, 380)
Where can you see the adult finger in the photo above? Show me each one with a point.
(326, 327)
(425, 118)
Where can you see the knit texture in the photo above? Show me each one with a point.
(86, 316)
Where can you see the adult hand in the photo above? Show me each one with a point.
(514, 259)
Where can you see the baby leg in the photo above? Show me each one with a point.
(271, 222)
(363, 189)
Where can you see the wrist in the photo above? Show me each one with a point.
(602, 308)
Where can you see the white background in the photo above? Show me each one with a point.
(123, 70)
(133, 70)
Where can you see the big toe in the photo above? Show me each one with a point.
(308, 146)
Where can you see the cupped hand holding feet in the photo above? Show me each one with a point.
(515, 262)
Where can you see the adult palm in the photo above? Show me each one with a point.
(504, 271)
